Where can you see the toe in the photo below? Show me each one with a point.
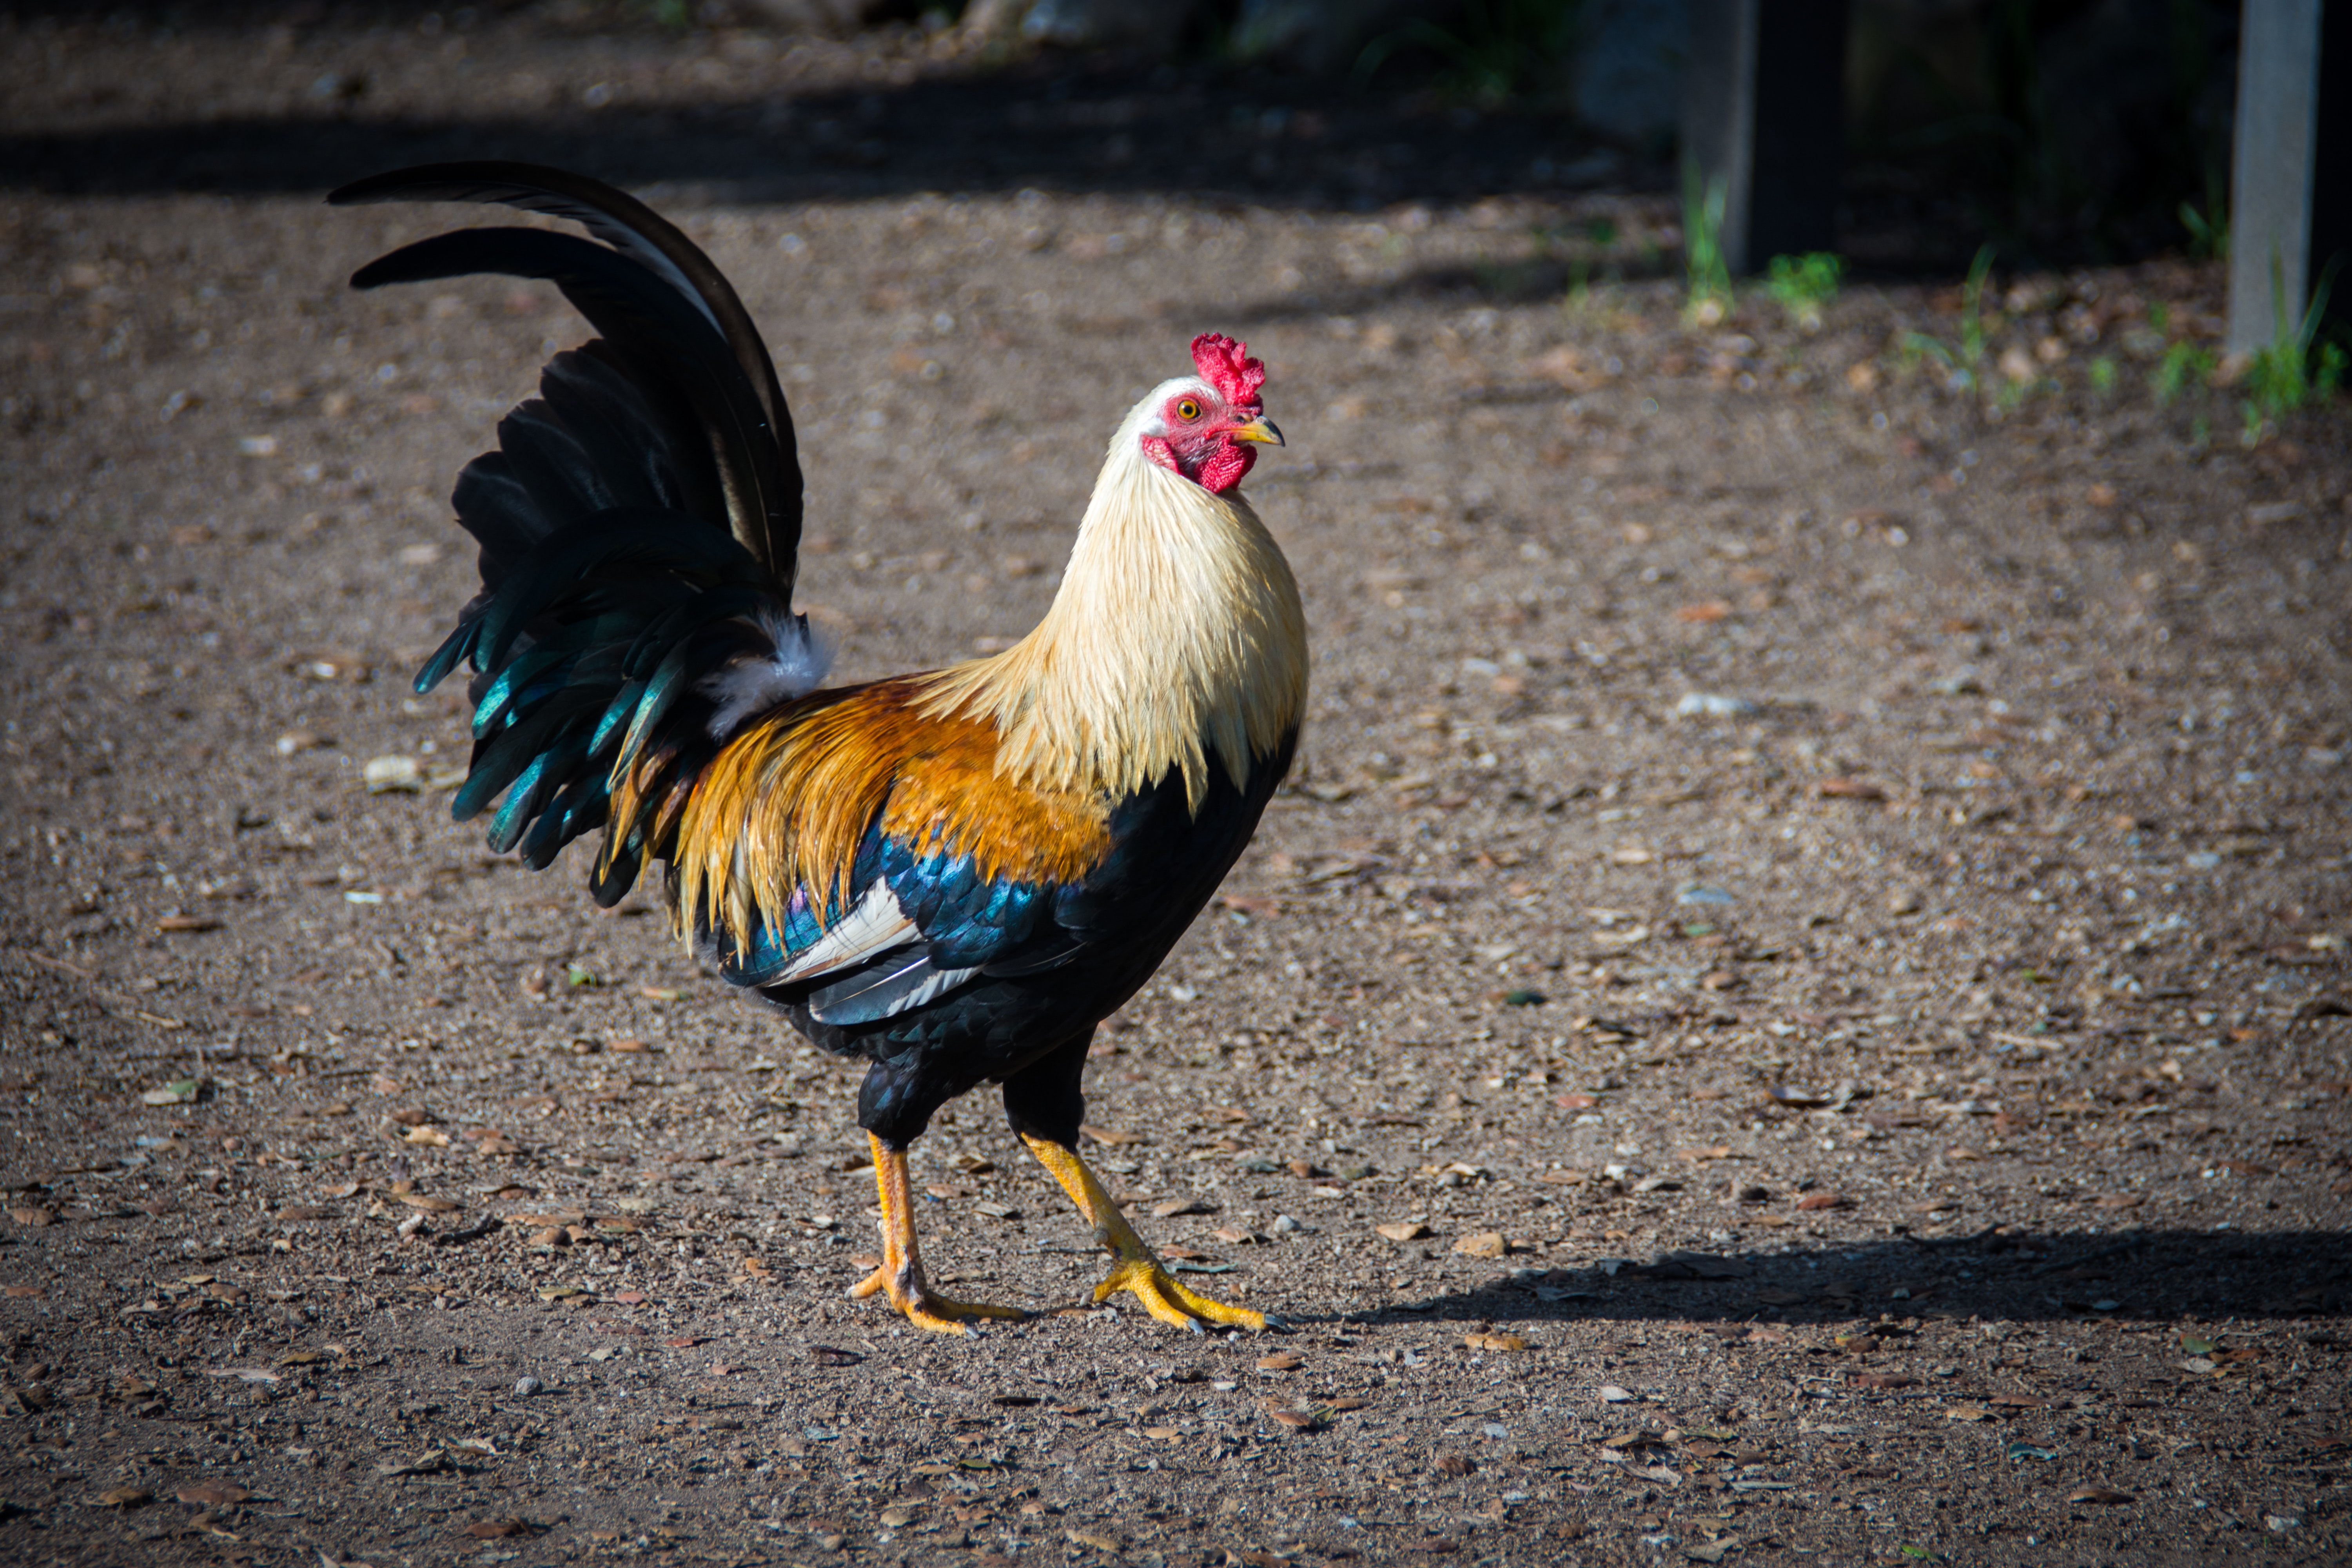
(946, 1316)
(1167, 1300)
(983, 1310)
(927, 1309)
(1168, 1306)
(938, 1323)
(1201, 1306)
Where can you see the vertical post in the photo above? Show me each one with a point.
(1764, 118)
(2272, 168)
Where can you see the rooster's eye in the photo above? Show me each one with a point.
(1188, 410)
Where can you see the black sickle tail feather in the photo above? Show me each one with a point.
(638, 522)
(635, 231)
(655, 335)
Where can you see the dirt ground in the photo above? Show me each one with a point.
(1796, 1012)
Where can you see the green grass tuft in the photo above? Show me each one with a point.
(1804, 286)
(2294, 368)
(1703, 267)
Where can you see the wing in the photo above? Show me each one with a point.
(957, 877)
(921, 927)
(851, 855)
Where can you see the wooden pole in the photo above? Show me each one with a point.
(2290, 205)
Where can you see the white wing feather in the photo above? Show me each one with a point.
(876, 926)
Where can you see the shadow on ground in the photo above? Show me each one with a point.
(2191, 1276)
(1107, 128)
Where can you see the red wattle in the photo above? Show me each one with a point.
(1226, 466)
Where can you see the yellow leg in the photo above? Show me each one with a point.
(901, 1274)
(1137, 1270)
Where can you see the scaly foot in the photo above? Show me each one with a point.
(1168, 1300)
(925, 1307)
(901, 1274)
(1137, 1269)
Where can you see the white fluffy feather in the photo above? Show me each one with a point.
(802, 658)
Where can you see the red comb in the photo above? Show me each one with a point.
(1225, 364)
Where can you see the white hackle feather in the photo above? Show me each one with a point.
(1176, 640)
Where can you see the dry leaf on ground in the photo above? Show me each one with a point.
(497, 1529)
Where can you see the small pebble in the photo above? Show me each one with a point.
(527, 1386)
(391, 776)
(1283, 1224)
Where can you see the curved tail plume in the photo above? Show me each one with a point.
(636, 232)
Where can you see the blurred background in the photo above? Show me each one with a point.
(2062, 131)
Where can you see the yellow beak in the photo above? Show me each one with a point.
(1258, 429)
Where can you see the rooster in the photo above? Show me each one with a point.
(954, 875)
